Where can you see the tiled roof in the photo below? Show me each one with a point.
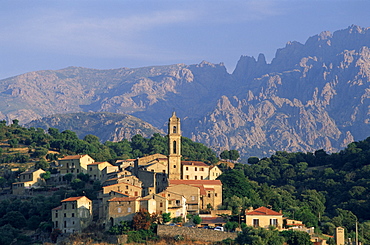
(263, 211)
(195, 182)
(123, 199)
(31, 171)
(213, 220)
(71, 199)
(122, 183)
(194, 163)
(57, 208)
(96, 163)
(72, 157)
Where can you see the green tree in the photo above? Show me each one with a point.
(166, 217)
(13, 143)
(197, 219)
(225, 154)
(77, 184)
(253, 160)
(296, 237)
(68, 177)
(46, 175)
(234, 155)
(43, 164)
(259, 236)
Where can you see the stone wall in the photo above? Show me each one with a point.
(198, 234)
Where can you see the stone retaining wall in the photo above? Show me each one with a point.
(197, 234)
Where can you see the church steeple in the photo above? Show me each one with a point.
(174, 147)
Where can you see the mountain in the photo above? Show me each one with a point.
(105, 125)
(311, 96)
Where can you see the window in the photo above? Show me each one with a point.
(73, 206)
(192, 198)
(174, 129)
(119, 210)
(174, 147)
(195, 169)
(209, 195)
(65, 224)
(201, 169)
(201, 177)
(65, 215)
(56, 215)
(136, 194)
(126, 187)
(73, 214)
(256, 222)
(174, 166)
(215, 194)
(129, 210)
(187, 176)
(56, 224)
(161, 205)
(78, 170)
(187, 168)
(195, 177)
(178, 202)
(274, 222)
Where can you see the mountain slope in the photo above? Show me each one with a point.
(105, 125)
(311, 96)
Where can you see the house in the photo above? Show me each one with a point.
(263, 217)
(73, 215)
(210, 192)
(121, 209)
(214, 172)
(27, 180)
(95, 170)
(176, 204)
(74, 164)
(194, 170)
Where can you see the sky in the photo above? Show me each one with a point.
(107, 34)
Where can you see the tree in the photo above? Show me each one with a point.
(197, 220)
(13, 143)
(39, 152)
(43, 164)
(68, 177)
(141, 220)
(77, 184)
(166, 217)
(46, 175)
(259, 236)
(225, 154)
(14, 218)
(296, 237)
(92, 139)
(253, 160)
(234, 155)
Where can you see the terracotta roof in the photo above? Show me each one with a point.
(263, 211)
(194, 163)
(71, 199)
(57, 208)
(119, 192)
(195, 182)
(72, 157)
(123, 199)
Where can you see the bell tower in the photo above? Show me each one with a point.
(174, 148)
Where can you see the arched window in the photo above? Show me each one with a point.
(174, 130)
(174, 147)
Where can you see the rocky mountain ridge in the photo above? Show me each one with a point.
(311, 96)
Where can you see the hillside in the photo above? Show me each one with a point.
(107, 126)
(311, 96)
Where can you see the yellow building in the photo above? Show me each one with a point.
(27, 180)
(73, 215)
(95, 170)
(74, 164)
(194, 170)
(214, 172)
(264, 218)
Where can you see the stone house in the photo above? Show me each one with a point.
(210, 192)
(73, 215)
(121, 209)
(27, 180)
(95, 170)
(74, 164)
(263, 217)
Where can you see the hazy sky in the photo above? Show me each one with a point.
(54, 34)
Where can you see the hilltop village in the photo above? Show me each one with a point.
(159, 184)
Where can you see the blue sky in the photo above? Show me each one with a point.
(105, 34)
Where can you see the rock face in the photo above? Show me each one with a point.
(311, 96)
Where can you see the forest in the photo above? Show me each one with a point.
(323, 190)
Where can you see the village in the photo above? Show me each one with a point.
(157, 183)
